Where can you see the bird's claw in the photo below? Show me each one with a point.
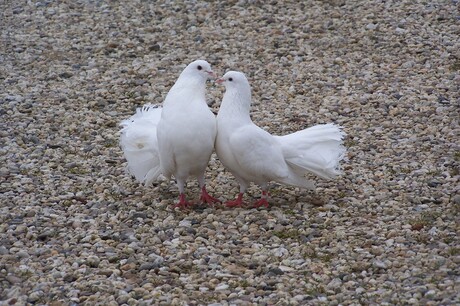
(183, 203)
(238, 202)
(206, 198)
(235, 203)
(261, 202)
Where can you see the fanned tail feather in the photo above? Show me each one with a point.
(318, 149)
(139, 143)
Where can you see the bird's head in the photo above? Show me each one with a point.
(200, 68)
(234, 79)
(237, 88)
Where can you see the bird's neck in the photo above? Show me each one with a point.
(186, 91)
(236, 105)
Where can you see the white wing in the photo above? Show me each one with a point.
(258, 155)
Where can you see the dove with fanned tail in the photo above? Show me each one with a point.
(252, 154)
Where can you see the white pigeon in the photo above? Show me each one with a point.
(176, 140)
(253, 155)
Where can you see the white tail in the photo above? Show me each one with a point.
(318, 149)
(138, 140)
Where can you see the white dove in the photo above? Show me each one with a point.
(176, 140)
(253, 155)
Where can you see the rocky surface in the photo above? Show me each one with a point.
(76, 229)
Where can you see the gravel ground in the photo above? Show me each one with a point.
(75, 228)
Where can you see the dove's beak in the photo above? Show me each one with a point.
(212, 74)
(220, 81)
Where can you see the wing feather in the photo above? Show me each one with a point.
(258, 154)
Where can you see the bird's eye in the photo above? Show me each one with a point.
(230, 79)
(199, 67)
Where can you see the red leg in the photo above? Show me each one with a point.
(183, 203)
(263, 200)
(235, 203)
(206, 198)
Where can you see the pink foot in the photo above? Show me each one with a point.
(206, 198)
(235, 203)
(263, 200)
(183, 203)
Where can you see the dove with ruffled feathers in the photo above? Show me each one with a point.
(175, 140)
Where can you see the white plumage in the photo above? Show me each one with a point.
(139, 143)
(176, 140)
(254, 155)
